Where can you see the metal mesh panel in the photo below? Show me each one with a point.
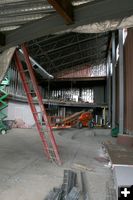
(86, 95)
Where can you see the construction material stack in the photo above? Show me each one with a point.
(74, 187)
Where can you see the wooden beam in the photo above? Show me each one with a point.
(64, 8)
(2, 39)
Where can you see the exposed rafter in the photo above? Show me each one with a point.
(87, 14)
(81, 60)
(80, 64)
(74, 43)
(100, 47)
(65, 53)
(64, 8)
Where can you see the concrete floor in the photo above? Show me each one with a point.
(25, 174)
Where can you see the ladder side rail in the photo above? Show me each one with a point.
(30, 101)
(38, 94)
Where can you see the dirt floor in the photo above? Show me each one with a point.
(25, 173)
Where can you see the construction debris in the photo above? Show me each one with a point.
(82, 167)
(55, 194)
(69, 189)
(102, 159)
(74, 194)
(69, 181)
(19, 123)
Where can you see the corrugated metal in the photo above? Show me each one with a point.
(128, 51)
(84, 72)
(80, 2)
(15, 13)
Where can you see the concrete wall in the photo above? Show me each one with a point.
(18, 110)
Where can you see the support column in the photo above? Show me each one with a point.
(121, 83)
(104, 116)
(113, 81)
(48, 89)
(109, 87)
(64, 113)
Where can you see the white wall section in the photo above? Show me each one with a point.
(18, 110)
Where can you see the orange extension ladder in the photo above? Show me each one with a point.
(46, 134)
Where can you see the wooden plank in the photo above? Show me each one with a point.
(64, 8)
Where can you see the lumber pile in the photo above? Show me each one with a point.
(69, 189)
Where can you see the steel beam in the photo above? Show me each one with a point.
(113, 80)
(109, 87)
(64, 8)
(121, 83)
(87, 14)
(101, 48)
(94, 38)
(86, 62)
(52, 39)
(101, 36)
(88, 57)
(47, 56)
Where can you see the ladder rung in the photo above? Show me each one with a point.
(53, 159)
(36, 112)
(25, 70)
(51, 151)
(52, 154)
(32, 103)
(42, 123)
(31, 92)
(44, 131)
(28, 81)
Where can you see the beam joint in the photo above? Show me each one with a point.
(64, 8)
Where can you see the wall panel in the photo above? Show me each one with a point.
(128, 57)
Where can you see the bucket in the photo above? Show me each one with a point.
(115, 132)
